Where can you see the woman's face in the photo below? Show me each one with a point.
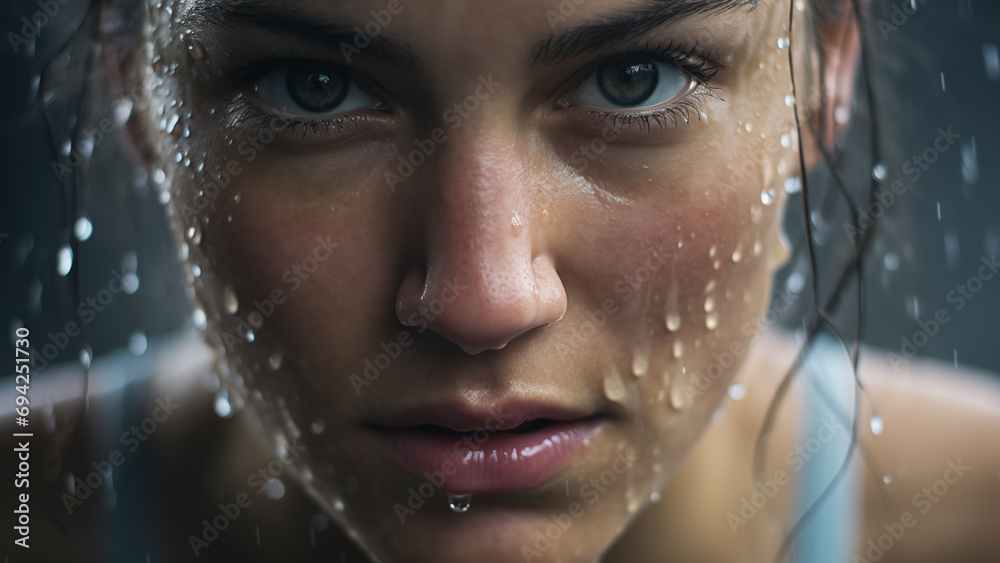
(513, 249)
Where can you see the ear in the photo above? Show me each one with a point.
(840, 41)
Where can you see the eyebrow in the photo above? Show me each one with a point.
(617, 28)
(291, 21)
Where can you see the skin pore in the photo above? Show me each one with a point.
(602, 285)
(479, 212)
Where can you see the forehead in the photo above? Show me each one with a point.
(538, 27)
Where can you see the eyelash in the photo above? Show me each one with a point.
(702, 67)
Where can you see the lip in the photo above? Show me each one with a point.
(464, 450)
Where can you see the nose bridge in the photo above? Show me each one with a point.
(480, 249)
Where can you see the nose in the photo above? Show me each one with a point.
(484, 279)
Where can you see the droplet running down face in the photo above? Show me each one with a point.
(498, 249)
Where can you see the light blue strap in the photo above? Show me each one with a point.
(829, 536)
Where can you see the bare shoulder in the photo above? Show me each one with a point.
(933, 471)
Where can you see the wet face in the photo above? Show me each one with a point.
(510, 249)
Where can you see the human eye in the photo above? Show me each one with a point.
(303, 96)
(645, 85)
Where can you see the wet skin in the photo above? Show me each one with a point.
(526, 262)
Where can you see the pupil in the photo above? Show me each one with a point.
(628, 84)
(316, 87)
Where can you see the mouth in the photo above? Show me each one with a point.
(503, 450)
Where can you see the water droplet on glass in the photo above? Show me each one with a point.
(232, 304)
(712, 320)
(673, 321)
(64, 260)
(459, 503)
(876, 425)
(767, 196)
(83, 228)
(137, 343)
(737, 391)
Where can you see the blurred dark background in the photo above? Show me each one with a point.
(946, 58)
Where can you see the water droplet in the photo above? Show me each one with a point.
(880, 172)
(198, 318)
(614, 388)
(793, 185)
(318, 426)
(677, 400)
(786, 141)
(887, 479)
(83, 228)
(712, 251)
(673, 321)
(783, 42)
(64, 260)
(237, 197)
(515, 224)
(789, 100)
(991, 60)
(137, 343)
(757, 248)
(86, 357)
(709, 304)
(459, 503)
(890, 261)
(654, 497)
(842, 115)
(274, 488)
(194, 234)
(274, 361)
(195, 49)
(767, 196)
(678, 348)
(876, 425)
(737, 254)
(712, 320)
(737, 391)
(223, 408)
(229, 298)
(640, 363)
